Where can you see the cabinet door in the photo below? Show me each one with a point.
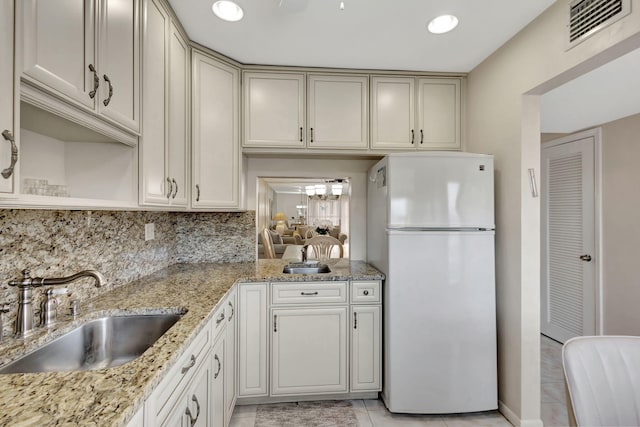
(230, 392)
(58, 47)
(273, 110)
(309, 350)
(155, 183)
(338, 111)
(365, 348)
(439, 113)
(178, 117)
(118, 61)
(6, 92)
(392, 112)
(216, 148)
(217, 383)
(252, 340)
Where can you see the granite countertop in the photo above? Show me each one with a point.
(110, 397)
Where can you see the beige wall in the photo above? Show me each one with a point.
(503, 122)
(620, 228)
(321, 168)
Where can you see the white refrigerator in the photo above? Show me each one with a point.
(431, 230)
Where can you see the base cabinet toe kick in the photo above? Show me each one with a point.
(309, 340)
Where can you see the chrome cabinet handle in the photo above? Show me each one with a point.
(170, 188)
(233, 310)
(412, 136)
(311, 134)
(220, 318)
(191, 364)
(275, 323)
(421, 136)
(355, 320)
(96, 81)
(175, 186)
(108, 100)
(309, 293)
(300, 133)
(197, 193)
(215, 356)
(187, 412)
(7, 135)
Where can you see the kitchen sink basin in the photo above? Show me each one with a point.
(101, 343)
(306, 268)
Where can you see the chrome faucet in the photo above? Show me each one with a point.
(24, 317)
(304, 253)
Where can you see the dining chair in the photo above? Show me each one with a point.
(267, 244)
(602, 377)
(323, 246)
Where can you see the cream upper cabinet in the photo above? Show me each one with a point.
(274, 109)
(338, 111)
(439, 113)
(393, 112)
(421, 113)
(85, 52)
(216, 158)
(164, 142)
(7, 142)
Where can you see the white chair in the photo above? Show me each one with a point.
(602, 375)
(323, 246)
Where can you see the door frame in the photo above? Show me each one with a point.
(596, 134)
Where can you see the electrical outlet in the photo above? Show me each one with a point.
(149, 231)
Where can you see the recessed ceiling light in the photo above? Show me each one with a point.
(227, 10)
(442, 24)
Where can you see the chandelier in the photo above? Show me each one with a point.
(330, 191)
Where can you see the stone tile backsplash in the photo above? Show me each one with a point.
(59, 243)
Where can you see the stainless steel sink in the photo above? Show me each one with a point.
(306, 268)
(100, 343)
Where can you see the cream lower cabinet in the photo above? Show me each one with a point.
(366, 331)
(6, 98)
(217, 401)
(415, 113)
(230, 364)
(253, 340)
(309, 350)
(216, 158)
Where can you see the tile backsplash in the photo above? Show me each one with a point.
(60, 243)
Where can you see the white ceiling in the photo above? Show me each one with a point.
(605, 94)
(367, 34)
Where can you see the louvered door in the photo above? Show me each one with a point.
(568, 228)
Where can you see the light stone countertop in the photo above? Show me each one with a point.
(110, 397)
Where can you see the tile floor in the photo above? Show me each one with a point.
(553, 409)
(372, 413)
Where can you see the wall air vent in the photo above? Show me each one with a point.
(587, 17)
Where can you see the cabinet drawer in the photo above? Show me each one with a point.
(309, 293)
(365, 292)
(179, 376)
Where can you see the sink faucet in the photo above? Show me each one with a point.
(304, 253)
(24, 317)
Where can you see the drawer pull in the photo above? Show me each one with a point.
(215, 356)
(191, 364)
(220, 318)
(309, 293)
(192, 420)
(365, 292)
(232, 311)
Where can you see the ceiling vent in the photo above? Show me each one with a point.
(587, 17)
